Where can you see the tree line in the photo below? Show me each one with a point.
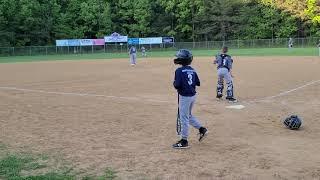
(41, 22)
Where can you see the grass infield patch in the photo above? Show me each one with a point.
(23, 166)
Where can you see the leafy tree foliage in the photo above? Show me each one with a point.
(41, 22)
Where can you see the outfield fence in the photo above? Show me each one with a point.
(121, 48)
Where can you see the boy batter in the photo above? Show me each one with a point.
(185, 81)
(224, 65)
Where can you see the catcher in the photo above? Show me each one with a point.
(224, 65)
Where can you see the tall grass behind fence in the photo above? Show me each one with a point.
(118, 48)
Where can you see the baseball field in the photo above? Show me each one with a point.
(96, 117)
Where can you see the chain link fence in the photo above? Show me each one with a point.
(120, 48)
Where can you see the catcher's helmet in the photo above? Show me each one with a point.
(293, 122)
(183, 57)
(225, 49)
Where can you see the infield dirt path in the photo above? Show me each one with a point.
(100, 114)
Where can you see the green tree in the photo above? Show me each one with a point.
(142, 18)
(313, 13)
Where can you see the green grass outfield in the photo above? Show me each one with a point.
(204, 53)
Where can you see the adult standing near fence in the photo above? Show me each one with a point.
(133, 55)
(143, 50)
(290, 43)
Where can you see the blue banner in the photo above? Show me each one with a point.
(61, 42)
(168, 40)
(74, 42)
(133, 41)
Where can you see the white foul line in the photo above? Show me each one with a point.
(148, 100)
(286, 92)
(82, 94)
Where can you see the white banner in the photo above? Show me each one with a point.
(115, 37)
(86, 42)
(153, 40)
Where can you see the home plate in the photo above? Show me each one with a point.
(235, 107)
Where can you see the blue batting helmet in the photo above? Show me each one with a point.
(293, 122)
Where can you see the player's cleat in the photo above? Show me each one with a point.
(231, 99)
(203, 132)
(182, 144)
(219, 96)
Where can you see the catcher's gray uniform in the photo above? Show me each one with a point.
(224, 63)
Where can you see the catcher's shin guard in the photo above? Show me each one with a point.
(229, 90)
(220, 88)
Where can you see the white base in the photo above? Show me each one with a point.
(235, 107)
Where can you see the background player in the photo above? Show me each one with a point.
(290, 43)
(224, 66)
(185, 81)
(143, 50)
(133, 55)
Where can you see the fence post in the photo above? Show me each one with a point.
(269, 43)
(13, 51)
(238, 43)
(30, 51)
(92, 49)
(46, 50)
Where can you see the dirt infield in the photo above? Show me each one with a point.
(100, 114)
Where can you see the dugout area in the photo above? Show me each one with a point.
(104, 113)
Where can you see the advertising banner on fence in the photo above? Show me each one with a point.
(61, 42)
(80, 42)
(86, 42)
(74, 42)
(168, 40)
(153, 40)
(98, 42)
(133, 41)
(115, 37)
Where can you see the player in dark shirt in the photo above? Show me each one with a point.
(185, 81)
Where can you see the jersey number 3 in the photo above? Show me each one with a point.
(190, 79)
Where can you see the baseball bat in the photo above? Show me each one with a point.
(178, 120)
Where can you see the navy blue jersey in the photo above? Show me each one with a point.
(186, 80)
(224, 60)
